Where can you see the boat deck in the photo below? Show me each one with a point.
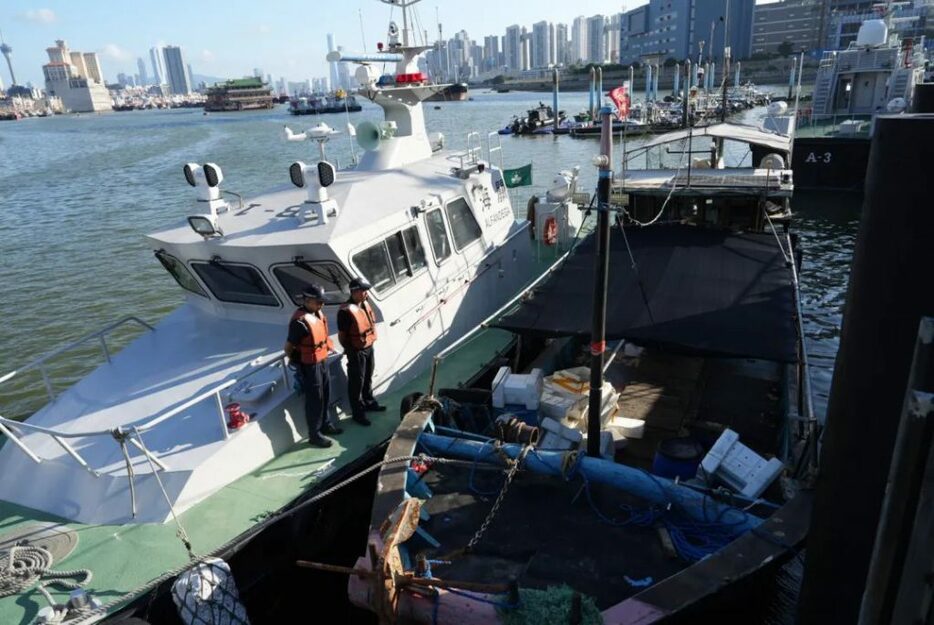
(127, 558)
(613, 552)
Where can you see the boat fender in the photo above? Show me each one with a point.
(530, 214)
(207, 593)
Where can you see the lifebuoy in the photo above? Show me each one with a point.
(550, 231)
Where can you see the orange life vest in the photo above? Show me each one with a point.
(363, 329)
(315, 345)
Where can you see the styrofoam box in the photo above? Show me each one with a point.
(630, 428)
(740, 467)
(517, 388)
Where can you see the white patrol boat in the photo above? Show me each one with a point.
(102, 478)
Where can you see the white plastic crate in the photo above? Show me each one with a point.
(739, 467)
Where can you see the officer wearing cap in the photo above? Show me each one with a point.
(356, 331)
(308, 344)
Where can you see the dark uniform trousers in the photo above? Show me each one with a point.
(316, 382)
(360, 379)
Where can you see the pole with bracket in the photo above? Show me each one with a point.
(601, 269)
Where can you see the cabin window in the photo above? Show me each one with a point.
(181, 274)
(329, 276)
(392, 260)
(437, 235)
(464, 226)
(414, 249)
(240, 284)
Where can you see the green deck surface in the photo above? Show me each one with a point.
(125, 558)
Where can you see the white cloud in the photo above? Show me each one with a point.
(115, 52)
(41, 16)
(264, 29)
(206, 56)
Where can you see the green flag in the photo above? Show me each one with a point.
(519, 177)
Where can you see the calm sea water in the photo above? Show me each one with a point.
(78, 193)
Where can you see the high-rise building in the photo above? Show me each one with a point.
(79, 92)
(335, 79)
(687, 23)
(191, 76)
(543, 48)
(797, 22)
(526, 49)
(141, 67)
(158, 66)
(176, 76)
(561, 44)
(596, 50)
(490, 52)
(512, 47)
(343, 74)
(577, 52)
(611, 38)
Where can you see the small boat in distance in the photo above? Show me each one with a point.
(319, 104)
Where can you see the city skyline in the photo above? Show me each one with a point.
(229, 42)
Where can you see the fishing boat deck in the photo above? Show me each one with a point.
(126, 558)
(614, 553)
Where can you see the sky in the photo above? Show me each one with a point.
(229, 38)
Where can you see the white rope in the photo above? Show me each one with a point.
(180, 529)
(24, 566)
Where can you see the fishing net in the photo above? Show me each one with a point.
(206, 594)
(550, 607)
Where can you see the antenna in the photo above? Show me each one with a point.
(362, 33)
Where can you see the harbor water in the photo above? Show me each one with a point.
(79, 192)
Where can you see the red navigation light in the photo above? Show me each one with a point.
(379, 46)
(403, 79)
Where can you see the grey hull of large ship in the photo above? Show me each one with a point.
(830, 163)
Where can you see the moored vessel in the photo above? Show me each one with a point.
(241, 94)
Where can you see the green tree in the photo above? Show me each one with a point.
(786, 48)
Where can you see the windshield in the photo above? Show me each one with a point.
(181, 274)
(329, 276)
(241, 284)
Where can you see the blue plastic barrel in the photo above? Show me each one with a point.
(677, 457)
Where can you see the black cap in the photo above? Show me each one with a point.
(313, 291)
(359, 284)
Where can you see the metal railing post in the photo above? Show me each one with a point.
(74, 454)
(47, 382)
(104, 347)
(220, 411)
(20, 444)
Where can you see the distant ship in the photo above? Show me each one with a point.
(456, 92)
(239, 95)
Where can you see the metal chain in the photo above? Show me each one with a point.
(510, 474)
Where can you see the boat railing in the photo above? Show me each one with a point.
(824, 124)
(10, 428)
(100, 335)
(497, 148)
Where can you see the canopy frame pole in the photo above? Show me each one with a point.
(601, 270)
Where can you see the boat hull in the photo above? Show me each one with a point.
(830, 163)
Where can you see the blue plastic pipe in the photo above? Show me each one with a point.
(634, 481)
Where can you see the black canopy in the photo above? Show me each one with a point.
(708, 291)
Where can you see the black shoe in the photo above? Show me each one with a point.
(316, 440)
(331, 430)
(362, 420)
(375, 407)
